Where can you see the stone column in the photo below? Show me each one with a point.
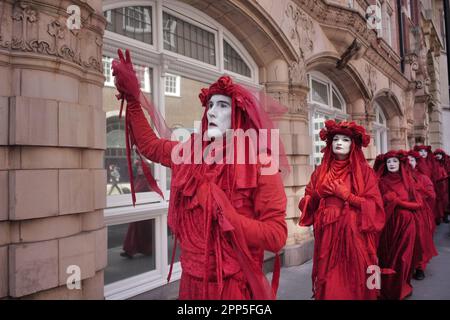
(52, 140)
(287, 84)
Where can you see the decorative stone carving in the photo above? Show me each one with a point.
(27, 15)
(297, 72)
(301, 29)
(64, 44)
(371, 78)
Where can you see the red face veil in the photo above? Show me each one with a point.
(357, 161)
(250, 109)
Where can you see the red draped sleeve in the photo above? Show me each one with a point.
(310, 202)
(372, 215)
(268, 229)
(149, 145)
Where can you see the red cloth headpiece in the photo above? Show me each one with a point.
(351, 129)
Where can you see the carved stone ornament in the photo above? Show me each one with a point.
(297, 72)
(28, 16)
(371, 78)
(301, 30)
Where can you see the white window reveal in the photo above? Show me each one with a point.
(172, 85)
(380, 130)
(107, 71)
(325, 102)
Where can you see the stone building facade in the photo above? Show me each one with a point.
(61, 137)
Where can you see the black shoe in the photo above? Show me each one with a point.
(419, 274)
(126, 255)
(446, 219)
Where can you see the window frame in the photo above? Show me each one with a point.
(129, 28)
(177, 92)
(119, 210)
(322, 109)
(380, 130)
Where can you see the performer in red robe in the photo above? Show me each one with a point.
(343, 203)
(396, 249)
(223, 214)
(438, 176)
(139, 237)
(425, 249)
(442, 172)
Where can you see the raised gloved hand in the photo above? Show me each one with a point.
(125, 78)
(340, 189)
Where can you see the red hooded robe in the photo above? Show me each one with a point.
(346, 231)
(223, 215)
(438, 175)
(397, 243)
(442, 173)
(425, 225)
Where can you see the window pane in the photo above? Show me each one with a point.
(319, 122)
(319, 92)
(336, 101)
(186, 39)
(131, 250)
(170, 244)
(184, 111)
(118, 179)
(133, 22)
(234, 62)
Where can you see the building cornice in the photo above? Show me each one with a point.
(378, 52)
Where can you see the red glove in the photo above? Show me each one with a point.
(341, 190)
(409, 205)
(325, 190)
(125, 78)
(390, 196)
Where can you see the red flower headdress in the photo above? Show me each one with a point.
(440, 151)
(422, 147)
(357, 161)
(250, 110)
(405, 169)
(351, 129)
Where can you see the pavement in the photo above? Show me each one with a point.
(295, 282)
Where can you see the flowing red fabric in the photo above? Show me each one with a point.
(223, 215)
(346, 232)
(425, 165)
(445, 162)
(398, 239)
(440, 173)
(425, 223)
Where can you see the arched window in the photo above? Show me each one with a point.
(325, 102)
(177, 50)
(380, 130)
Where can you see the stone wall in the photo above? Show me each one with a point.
(52, 137)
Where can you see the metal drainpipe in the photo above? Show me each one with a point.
(400, 33)
(447, 37)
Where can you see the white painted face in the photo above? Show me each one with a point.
(439, 156)
(341, 144)
(423, 153)
(412, 161)
(393, 164)
(219, 115)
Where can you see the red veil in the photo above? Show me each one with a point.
(247, 113)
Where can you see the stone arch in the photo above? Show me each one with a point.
(253, 27)
(347, 80)
(390, 105)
